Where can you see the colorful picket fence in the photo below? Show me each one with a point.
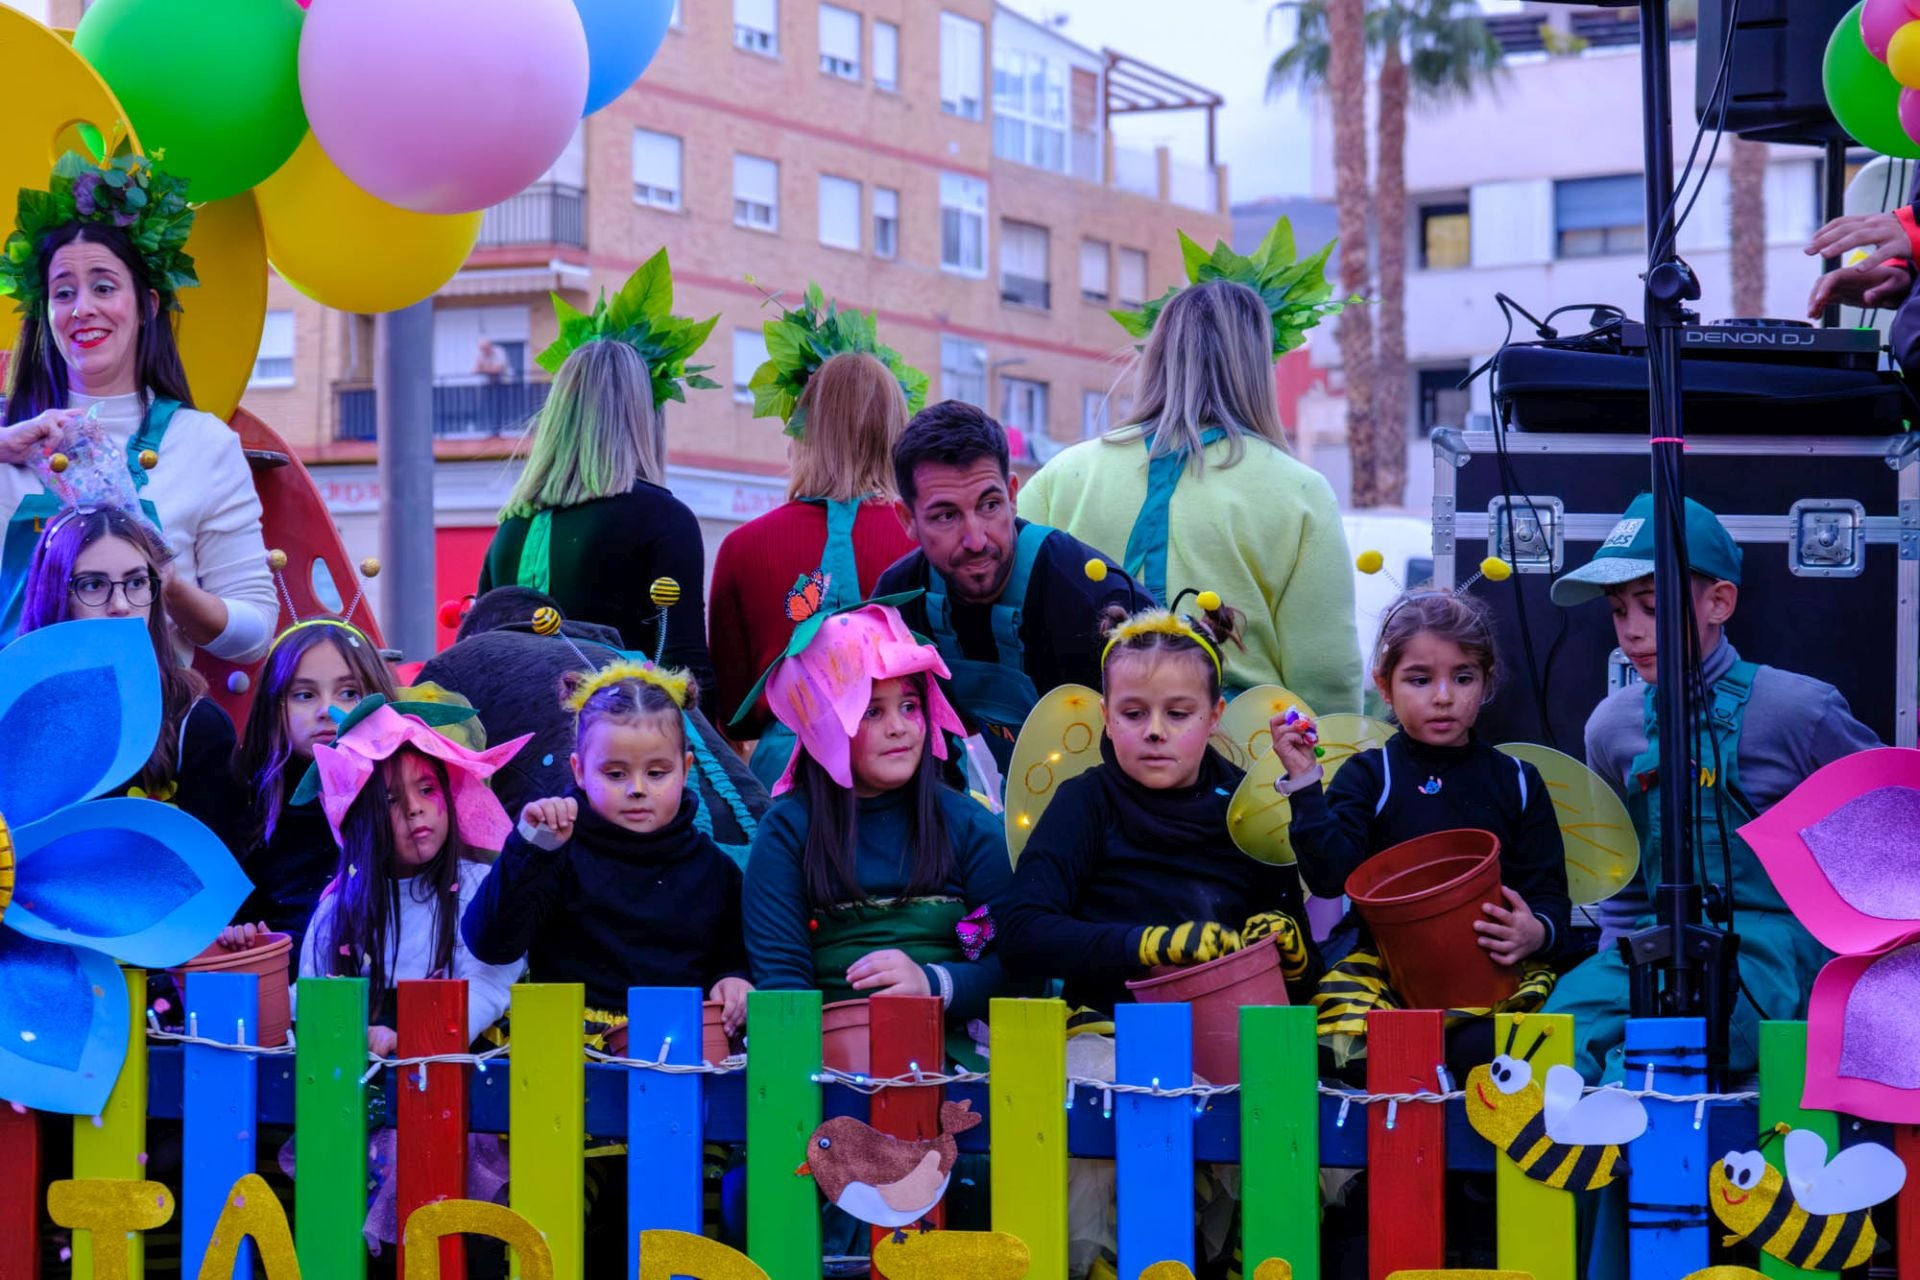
(1282, 1125)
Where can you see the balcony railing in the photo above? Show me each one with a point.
(1025, 291)
(462, 409)
(546, 214)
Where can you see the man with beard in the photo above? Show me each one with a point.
(1010, 604)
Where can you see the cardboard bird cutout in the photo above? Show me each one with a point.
(886, 1181)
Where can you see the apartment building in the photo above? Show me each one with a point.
(949, 167)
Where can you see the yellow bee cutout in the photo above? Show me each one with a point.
(1561, 1135)
(1816, 1217)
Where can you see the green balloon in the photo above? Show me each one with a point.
(1863, 94)
(213, 83)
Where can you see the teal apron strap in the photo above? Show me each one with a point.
(837, 559)
(536, 554)
(153, 429)
(1009, 610)
(1146, 557)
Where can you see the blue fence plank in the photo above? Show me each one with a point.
(220, 1096)
(1154, 1136)
(1667, 1219)
(663, 1116)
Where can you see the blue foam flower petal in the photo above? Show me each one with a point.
(135, 879)
(64, 1025)
(80, 711)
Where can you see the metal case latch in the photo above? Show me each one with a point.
(1528, 532)
(1827, 539)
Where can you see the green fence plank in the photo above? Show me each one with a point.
(783, 1110)
(1280, 1138)
(1783, 1076)
(330, 1121)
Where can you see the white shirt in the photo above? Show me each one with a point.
(209, 511)
(410, 948)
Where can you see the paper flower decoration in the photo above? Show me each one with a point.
(94, 880)
(1839, 851)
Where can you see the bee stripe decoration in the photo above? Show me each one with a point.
(1560, 1134)
(1817, 1216)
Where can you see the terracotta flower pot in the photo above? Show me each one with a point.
(1218, 990)
(843, 1036)
(1420, 900)
(268, 961)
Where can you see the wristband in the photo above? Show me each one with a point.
(1287, 785)
(1904, 216)
(944, 981)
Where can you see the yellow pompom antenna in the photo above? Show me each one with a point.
(1494, 569)
(1096, 570)
(1369, 562)
(276, 560)
(546, 621)
(664, 592)
(1208, 601)
(675, 684)
(370, 567)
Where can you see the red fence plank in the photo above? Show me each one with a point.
(1407, 1160)
(19, 1194)
(1906, 1145)
(432, 1144)
(903, 1030)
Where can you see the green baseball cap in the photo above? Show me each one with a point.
(1627, 553)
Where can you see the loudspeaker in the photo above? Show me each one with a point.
(1775, 90)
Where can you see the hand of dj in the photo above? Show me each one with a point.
(1880, 234)
(1195, 942)
(1511, 933)
(1884, 284)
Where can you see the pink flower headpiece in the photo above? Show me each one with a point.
(822, 691)
(344, 765)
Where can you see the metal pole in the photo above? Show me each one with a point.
(403, 396)
(1833, 205)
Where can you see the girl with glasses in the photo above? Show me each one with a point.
(106, 562)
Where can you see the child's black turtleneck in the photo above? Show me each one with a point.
(1110, 857)
(1434, 788)
(288, 870)
(614, 908)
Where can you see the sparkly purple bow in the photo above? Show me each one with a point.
(976, 931)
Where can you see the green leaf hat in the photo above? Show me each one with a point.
(803, 339)
(128, 191)
(1296, 290)
(640, 315)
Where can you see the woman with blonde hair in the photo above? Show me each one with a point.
(1198, 486)
(837, 521)
(590, 521)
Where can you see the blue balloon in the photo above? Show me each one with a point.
(622, 37)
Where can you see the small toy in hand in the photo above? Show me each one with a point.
(1312, 730)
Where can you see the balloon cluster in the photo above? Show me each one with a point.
(372, 133)
(1872, 75)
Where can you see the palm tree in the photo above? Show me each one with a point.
(1431, 52)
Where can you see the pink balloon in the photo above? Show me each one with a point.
(1879, 19)
(443, 106)
(1910, 114)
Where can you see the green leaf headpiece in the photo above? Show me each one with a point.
(640, 315)
(802, 340)
(127, 191)
(1296, 290)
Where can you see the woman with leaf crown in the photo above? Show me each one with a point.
(95, 265)
(590, 521)
(844, 399)
(1198, 486)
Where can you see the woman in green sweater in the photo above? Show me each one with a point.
(1199, 487)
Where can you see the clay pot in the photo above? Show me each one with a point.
(714, 1044)
(268, 962)
(1218, 990)
(1420, 900)
(843, 1037)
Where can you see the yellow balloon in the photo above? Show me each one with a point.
(347, 250)
(1060, 740)
(1903, 55)
(1243, 736)
(219, 330)
(1258, 816)
(1603, 852)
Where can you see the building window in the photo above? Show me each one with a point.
(839, 42)
(1446, 237)
(749, 353)
(1132, 284)
(756, 26)
(1593, 217)
(273, 366)
(756, 193)
(963, 225)
(963, 371)
(1096, 418)
(1094, 257)
(656, 169)
(886, 222)
(839, 212)
(886, 55)
(962, 65)
(1443, 402)
(1024, 279)
(1023, 406)
(1029, 109)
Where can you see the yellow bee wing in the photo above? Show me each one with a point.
(1243, 736)
(1603, 852)
(1258, 817)
(1060, 740)
(1858, 1178)
(1604, 1118)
